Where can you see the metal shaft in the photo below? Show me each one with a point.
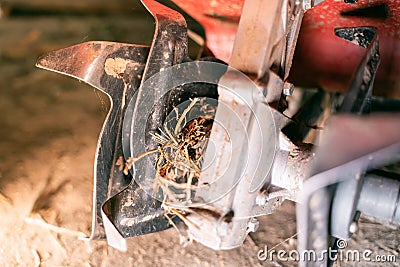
(380, 198)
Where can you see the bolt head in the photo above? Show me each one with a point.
(353, 227)
(288, 89)
(261, 199)
(253, 225)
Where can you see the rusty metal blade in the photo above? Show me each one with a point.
(115, 69)
(169, 47)
(87, 61)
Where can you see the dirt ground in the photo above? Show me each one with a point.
(48, 132)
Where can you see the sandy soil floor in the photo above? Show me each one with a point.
(48, 132)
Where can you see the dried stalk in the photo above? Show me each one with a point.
(180, 154)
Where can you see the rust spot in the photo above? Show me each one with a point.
(115, 66)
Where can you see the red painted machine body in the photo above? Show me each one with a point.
(326, 60)
(321, 58)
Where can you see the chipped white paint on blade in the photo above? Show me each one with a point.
(114, 238)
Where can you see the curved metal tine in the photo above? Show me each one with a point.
(196, 31)
(170, 41)
(115, 69)
(359, 95)
(169, 47)
(87, 62)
